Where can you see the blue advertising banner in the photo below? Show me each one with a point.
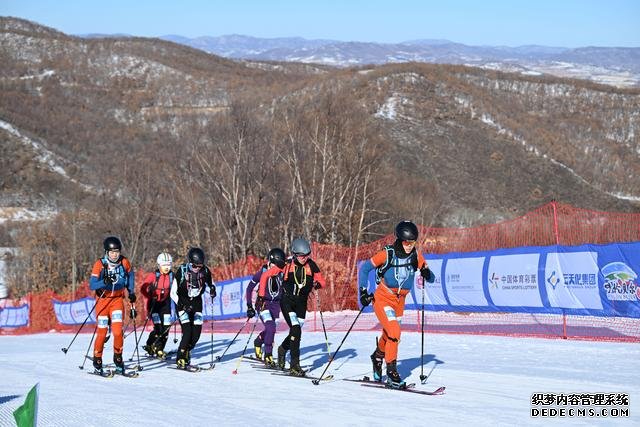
(14, 317)
(74, 312)
(229, 303)
(597, 280)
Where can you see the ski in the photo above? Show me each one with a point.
(147, 356)
(307, 377)
(205, 366)
(188, 368)
(410, 388)
(364, 379)
(127, 374)
(104, 374)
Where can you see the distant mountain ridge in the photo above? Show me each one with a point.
(496, 144)
(618, 66)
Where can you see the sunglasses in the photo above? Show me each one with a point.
(196, 266)
(408, 242)
(301, 255)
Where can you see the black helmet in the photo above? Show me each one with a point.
(276, 256)
(300, 246)
(196, 256)
(406, 230)
(112, 243)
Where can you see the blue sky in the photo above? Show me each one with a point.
(569, 23)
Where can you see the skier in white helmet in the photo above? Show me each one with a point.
(156, 287)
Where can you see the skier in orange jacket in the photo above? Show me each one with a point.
(110, 275)
(395, 266)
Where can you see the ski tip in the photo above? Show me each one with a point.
(234, 372)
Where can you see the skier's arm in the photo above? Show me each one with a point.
(318, 278)
(131, 276)
(425, 271)
(375, 261)
(212, 285)
(96, 281)
(174, 288)
(251, 286)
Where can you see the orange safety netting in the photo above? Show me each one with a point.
(553, 223)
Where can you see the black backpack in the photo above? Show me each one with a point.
(391, 253)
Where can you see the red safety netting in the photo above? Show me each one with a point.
(553, 223)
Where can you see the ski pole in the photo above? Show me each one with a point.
(86, 356)
(175, 327)
(212, 364)
(133, 314)
(326, 339)
(317, 381)
(65, 349)
(140, 339)
(422, 376)
(218, 358)
(235, 371)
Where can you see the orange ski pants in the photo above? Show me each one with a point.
(389, 308)
(110, 306)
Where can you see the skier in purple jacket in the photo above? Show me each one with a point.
(269, 277)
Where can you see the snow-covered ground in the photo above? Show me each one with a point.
(489, 381)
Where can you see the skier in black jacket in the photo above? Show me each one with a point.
(300, 276)
(186, 291)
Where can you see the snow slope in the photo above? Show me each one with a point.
(489, 381)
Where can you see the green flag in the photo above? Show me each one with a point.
(27, 414)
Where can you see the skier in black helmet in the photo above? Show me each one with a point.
(395, 266)
(301, 275)
(269, 277)
(186, 292)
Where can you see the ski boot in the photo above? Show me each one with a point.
(296, 370)
(150, 349)
(257, 348)
(376, 359)
(117, 360)
(281, 355)
(269, 362)
(161, 354)
(97, 364)
(182, 360)
(393, 377)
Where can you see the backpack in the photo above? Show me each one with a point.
(412, 260)
(155, 284)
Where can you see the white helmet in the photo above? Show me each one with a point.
(164, 259)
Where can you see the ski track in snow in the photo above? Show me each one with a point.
(489, 381)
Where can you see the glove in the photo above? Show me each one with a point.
(250, 311)
(133, 313)
(212, 291)
(108, 280)
(317, 286)
(365, 297)
(132, 298)
(428, 275)
(259, 303)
